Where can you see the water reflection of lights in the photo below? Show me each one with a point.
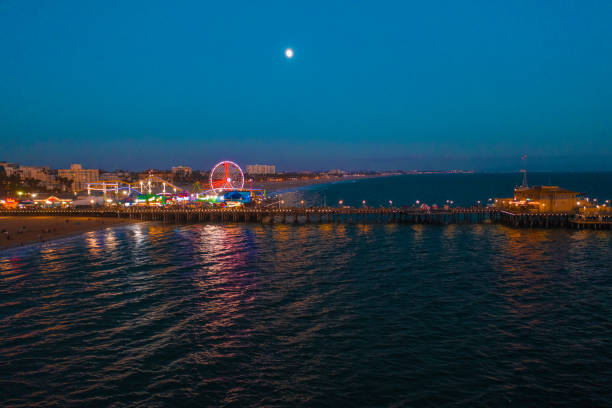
(525, 261)
(138, 235)
(226, 256)
(479, 229)
(52, 257)
(418, 230)
(334, 233)
(364, 228)
(11, 269)
(138, 243)
(92, 244)
(450, 241)
(391, 228)
(110, 239)
(99, 242)
(525, 247)
(450, 232)
(226, 272)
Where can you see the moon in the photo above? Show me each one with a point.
(289, 53)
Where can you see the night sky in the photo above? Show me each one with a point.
(372, 85)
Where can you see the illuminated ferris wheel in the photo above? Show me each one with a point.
(226, 175)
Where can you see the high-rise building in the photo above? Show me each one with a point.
(79, 176)
(261, 169)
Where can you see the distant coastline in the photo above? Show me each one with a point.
(280, 186)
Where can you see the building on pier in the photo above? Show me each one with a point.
(541, 199)
(51, 201)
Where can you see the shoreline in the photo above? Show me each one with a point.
(43, 229)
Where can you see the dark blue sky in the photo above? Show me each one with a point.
(428, 84)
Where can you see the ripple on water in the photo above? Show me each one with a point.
(318, 315)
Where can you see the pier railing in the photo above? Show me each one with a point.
(406, 215)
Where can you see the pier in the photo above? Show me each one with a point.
(408, 215)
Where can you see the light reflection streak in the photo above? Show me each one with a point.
(524, 257)
(94, 247)
(225, 278)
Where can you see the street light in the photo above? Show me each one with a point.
(340, 202)
(390, 203)
(363, 202)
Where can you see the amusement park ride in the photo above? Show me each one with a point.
(226, 184)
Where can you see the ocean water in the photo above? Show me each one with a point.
(309, 315)
(463, 189)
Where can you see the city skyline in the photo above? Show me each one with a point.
(573, 164)
(405, 86)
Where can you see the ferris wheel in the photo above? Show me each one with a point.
(226, 175)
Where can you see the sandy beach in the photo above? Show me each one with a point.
(19, 231)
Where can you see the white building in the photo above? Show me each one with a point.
(261, 169)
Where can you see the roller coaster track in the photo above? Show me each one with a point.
(139, 187)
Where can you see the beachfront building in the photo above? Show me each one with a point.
(540, 199)
(33, 172)
(109, 176)
(260, 169)
(180, 172)
(42, 174)
(79, 176)
(10, 169)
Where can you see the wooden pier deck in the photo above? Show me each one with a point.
(408, 215)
